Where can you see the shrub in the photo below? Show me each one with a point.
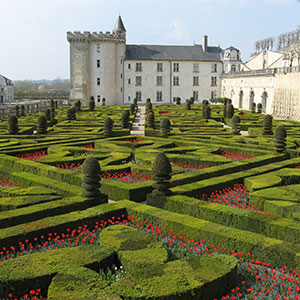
(192, 100)
(78, 105)
(13, 125)
(267, 130)
(108, 126)
(151, 119)
(148, 105)
(125, 118)
(48, 114)
(187, 104)
(52, 104)
(165, 127)
(135, 102)
(253, 107)
(41, 125)
(236, 124)
(206, 112)
(230, 111)
(103, 101)
(178, 100)
(17, 108)
(224, 111)
(205, 102)
(91, 180)
(22, 112)
(92, 103)
(280, 139)
(73, 112)
(69, 114)
(259, 108)
(132, 108)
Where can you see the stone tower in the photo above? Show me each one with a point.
(96, 64)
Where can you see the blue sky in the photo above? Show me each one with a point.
(33, 41)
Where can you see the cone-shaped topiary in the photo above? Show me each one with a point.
(17, 108)
(77, 105)
(148, 105)
(178, 100)
(91, 180)
(253, 107)
(52, 104)
(125, 119)
(224, 111)
(41, 125)
(13, 125)
(69, 114)
(206, 112)
(22, 112)
(103, 101)
(165, 127)
(132, 108)
(280, 139)
(236, 128)
(92, 103)
(151, 119)
(187, 104)
(229, 111)
(192, 100)
(48, 114)
(267, 130)
(135, 102)
(205, 102)
(73, 113)
(259, 108)
(108, 126)
(161, 173)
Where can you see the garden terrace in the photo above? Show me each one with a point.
(233, 210)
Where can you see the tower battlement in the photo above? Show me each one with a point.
(78, 36)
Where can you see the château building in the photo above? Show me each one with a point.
(104, 66)
(6, 90)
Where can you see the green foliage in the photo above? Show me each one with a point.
(259, 108)
(135, 102)
(22, 112)
(192, 100)
(112, 274)
(41, 125)
(206, 112)
(205, 102)
(92, 103)
(280, 139)
(108, 126)
(267, 129)
(178, 100)
(125, 119)
(77, 105)
(236, 124)
(253, 107)
(13, 125)
(224, 111)
(151, 119)
(187, 104)
(17, 108)
(48, 114)
(230, 111)
(103, 101)
(132, 108)
(69, 114)
(165, 127)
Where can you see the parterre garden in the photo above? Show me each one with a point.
(229, 227)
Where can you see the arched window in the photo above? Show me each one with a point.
(264, 97)
(233, 68)
(251, 99)
(241, 95)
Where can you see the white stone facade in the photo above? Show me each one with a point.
(103, 66)
(6, 90)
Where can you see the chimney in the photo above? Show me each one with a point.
(204, 43)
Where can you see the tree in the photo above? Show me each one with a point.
(13, 125)
(91, 180)
(22, 112)
(132, 108)
(92, 103)
(73, 113)
(187, 104)
(192, 100)
(69, 114)
(236, 124)
(206, 112)
(41, 125)
(267, 130)
(103, 101)
(17, 108)
(253, 107)
(135, 102)
(280, 139)
(125, 119)
(48, 114)
(77, 105)
(224, 111)
(230, 111)
(151, 119)
(165, 127)
(259, 108)
(108, 126)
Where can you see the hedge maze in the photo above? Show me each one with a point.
(223, 223)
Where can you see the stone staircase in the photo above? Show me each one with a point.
(138, 126)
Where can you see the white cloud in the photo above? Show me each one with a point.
(178, 32)
(276, 2)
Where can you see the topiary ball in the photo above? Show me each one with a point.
(161, 167)
(91, 167)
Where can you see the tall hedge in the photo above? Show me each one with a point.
(267, 129)
(13, 125)
(41, 125)
(280, 139)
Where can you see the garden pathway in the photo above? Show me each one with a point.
(244, 132)
(138, 125)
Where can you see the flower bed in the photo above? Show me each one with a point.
(257, 279)
(126, 177)
(71, 166)
(236, 156)
(190, 168)
(33, 155)
(133, 141)
(164, 112)
(7, 183)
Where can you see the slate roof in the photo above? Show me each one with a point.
(119, 26)
(158, 52)
(5, 81)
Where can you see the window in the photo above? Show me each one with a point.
(196, 95)
(213, 95)
(214, 68)
(159, 67)
(98, 98)
(196, 68)
(129, 81)
(175, 80)
(98, 63)
(138, 80)
(159, 80)
(129, 66)
(121, 89)
(138, 67)
(233, 68)
(159, 96)
(138, 95)
(195, 80)
(213, 81)
(121, 76)
(121, 61)
(98, 48)
(128, 98)
(175, 67)
(98, 81)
